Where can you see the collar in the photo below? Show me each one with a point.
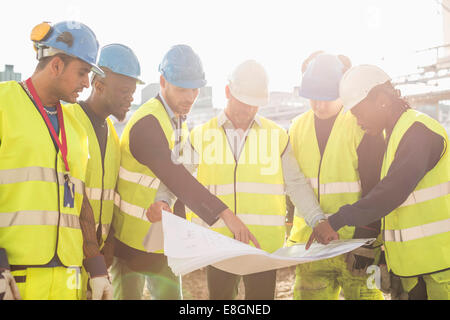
(96, 121)
(222, 120)
(169, 111)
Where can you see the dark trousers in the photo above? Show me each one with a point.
(224, 285)
(419, 292)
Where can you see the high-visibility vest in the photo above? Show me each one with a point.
(252, 186)
(417, 234)
(101, 176)
(137, 184)
(334, 176)
(34, 224)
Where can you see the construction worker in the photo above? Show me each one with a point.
(247, 161)
(412, 198)
(147, 141)
(341, 164)
(111, 95)
(46, 221)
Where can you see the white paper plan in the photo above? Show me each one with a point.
(190, 247)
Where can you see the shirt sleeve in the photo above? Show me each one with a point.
(418, 152)
(149, 146)
(299, 190)
(163, 194)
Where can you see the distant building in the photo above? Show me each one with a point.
(149, 91)
(203, 109)
(282, 107)
(9, 74)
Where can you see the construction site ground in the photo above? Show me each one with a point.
(195, 287)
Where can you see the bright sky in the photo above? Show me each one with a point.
(279, 33)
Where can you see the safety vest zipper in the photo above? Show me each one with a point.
(235, 171)
(318, 179)
(383, 223)
(59, 210)
(99, 237)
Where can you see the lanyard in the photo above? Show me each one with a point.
(61, 144)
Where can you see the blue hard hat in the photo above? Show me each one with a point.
(74, 39)
(120, 59)
(321, 79)
(182, 67)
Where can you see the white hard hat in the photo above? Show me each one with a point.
(249, 83)
(357, 82)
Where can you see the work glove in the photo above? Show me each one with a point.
(8, 286)
(101, 288)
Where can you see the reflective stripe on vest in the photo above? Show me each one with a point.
(102, 171)
(96, 194)
(130, 209)
(139, 178)
(35, 222)
(18, 175)
(105, 228)
(137, 184)
(38, 218)
(417, 232)
(248, 187)
(336, 187)
(247, 219)
(338, 167)
(255, 195)
(426, 194)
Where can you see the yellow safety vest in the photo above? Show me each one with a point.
(137, 184)
(33, 225)
(334, 177)
(253, 186)
(101, 177)
(417, 234)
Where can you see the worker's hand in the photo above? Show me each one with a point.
(8, 286)
(101, 288)
(238, 228)
(323, 233)
(154, 213)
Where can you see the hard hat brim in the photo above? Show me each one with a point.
(96, 69)
(139, 81)
(191, 84)
(251, 101)
(307, 95)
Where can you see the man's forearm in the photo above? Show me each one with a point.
(418, 152)
(149, 146)
(94, 261)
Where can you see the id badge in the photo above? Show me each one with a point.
(69, 194)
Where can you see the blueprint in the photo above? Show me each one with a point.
(190, 247)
